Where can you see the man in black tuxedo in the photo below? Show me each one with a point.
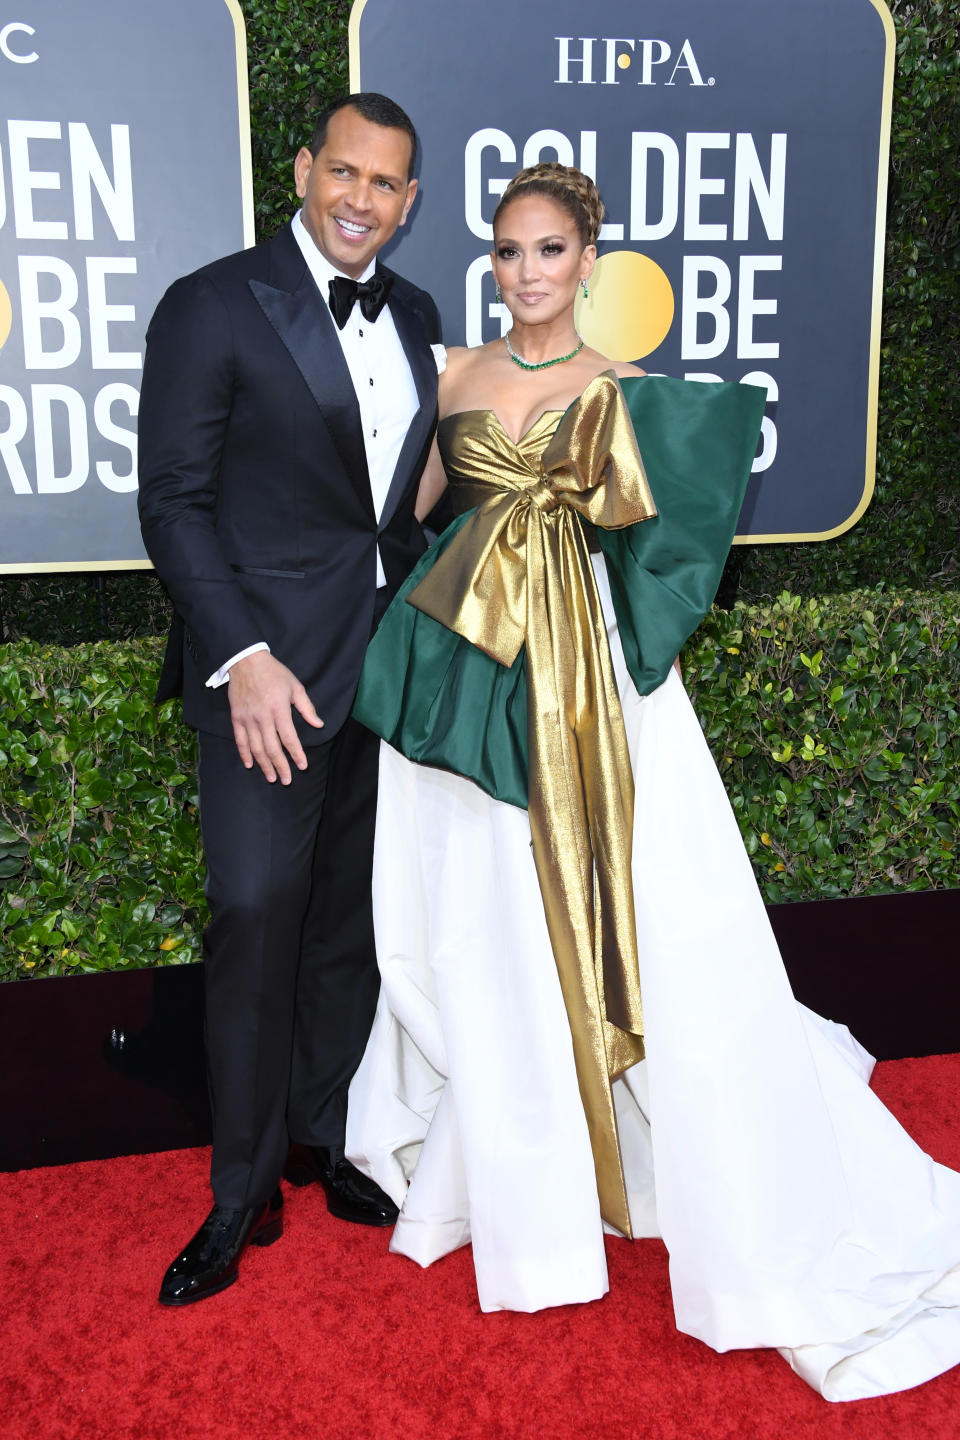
(286, 414)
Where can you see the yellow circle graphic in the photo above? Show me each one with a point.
(630, 308)
(6, 314)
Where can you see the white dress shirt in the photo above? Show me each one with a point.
(386, 393)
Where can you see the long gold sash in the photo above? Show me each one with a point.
(519, 573)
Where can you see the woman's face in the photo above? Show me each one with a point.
(538, 260)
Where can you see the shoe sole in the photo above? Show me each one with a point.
(266, 1235)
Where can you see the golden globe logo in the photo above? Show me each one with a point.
(595, 60)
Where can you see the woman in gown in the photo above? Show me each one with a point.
(554, 844)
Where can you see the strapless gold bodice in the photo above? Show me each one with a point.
(480, 457)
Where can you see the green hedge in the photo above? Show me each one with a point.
(909, 536)
(100, 863)
(297, 57)
(835, 727)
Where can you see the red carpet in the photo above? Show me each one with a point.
(328, 1336)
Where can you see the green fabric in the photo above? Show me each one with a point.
(698, 440)
(442, 702)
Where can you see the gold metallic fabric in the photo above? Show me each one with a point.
(518, 573)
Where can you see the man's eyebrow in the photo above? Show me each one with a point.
(335, 161)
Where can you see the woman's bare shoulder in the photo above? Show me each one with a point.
(467, 357)
(465, 366)
(598, 363)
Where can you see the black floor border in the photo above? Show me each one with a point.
(94, 1066)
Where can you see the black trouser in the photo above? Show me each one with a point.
(291, 973)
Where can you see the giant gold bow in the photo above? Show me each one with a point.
(519, 573)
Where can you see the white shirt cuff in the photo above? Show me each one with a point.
(221, 676)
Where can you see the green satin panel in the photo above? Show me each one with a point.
(698, 440)
(439, 700)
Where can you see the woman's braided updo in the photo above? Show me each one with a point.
(569, 187)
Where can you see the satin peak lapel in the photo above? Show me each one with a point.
(423, 367)
(305, 325)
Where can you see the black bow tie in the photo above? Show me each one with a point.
(371, 293)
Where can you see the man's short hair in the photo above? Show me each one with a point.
(378, 109)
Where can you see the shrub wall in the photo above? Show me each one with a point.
(835, 726)
(100, 861)
(834, 722)
(910, 535)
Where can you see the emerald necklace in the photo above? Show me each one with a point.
(544, 364)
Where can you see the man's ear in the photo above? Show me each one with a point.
(302, 165)
(412, 188)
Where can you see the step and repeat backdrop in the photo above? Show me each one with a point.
(741, 152)
(124, 162)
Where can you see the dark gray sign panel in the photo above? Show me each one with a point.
(124, 162)
(741, 151)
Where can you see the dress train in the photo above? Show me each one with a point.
(796, 1211)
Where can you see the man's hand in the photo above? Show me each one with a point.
(263, 693)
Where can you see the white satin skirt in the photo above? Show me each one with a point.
(796, 1211)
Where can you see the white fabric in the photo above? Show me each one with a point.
(221, 676)
(796, 1211)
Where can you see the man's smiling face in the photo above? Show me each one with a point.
(355, 191)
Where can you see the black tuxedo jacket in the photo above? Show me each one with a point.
(254, 496)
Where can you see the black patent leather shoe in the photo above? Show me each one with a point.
(211, 1260)
(350, 1195)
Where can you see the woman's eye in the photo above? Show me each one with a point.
(553, 249)
(505, 252)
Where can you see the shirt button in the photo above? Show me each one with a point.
(374, 434)
(371, 379)
(360, 333)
